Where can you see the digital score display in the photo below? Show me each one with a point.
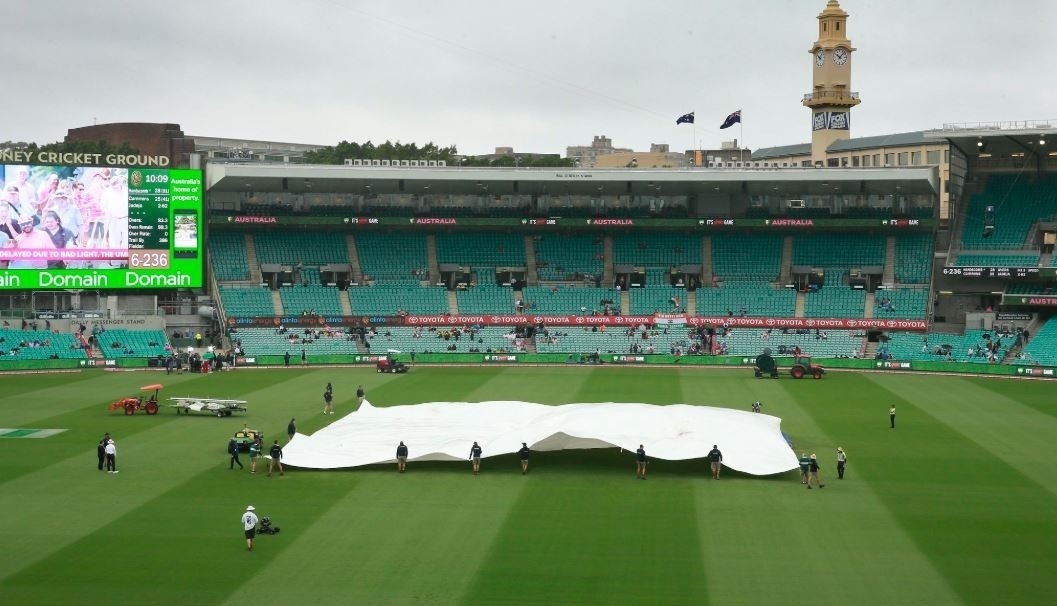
(84, 227)
(1000, 272)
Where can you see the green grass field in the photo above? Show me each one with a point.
(954, 506)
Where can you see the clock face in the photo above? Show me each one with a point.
(840, 56)
(820, 58)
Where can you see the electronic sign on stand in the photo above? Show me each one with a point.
(77, 227)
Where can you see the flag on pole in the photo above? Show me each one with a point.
(731, 120)
(687, 118)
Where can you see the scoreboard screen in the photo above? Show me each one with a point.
(999, 272)
(85, 227)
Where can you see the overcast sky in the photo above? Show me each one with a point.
(536, 75)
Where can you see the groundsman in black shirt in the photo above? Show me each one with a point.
(401, 457)
(524, 454)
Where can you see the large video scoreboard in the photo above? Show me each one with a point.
(89, 227)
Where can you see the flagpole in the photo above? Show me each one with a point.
(741, 136)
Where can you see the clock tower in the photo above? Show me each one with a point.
(831, 97)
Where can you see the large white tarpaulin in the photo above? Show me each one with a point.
(444, 431)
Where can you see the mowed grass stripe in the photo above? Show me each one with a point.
(611, 540)
(1035, 393)
(1008, 429)
(413, 538)
(609, 384)
(56, 504)
(771, 541)
(183, 545)
(976, 518)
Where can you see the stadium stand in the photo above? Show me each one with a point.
(913, 261)
(39, 345)
(563, 258)
(246, 301)
(1002, 260)
(473, 249)
(444, 339)
(269, 341)
(312, 249)
(901, 303)
(121, 343)
(566, 299)
(656, 249)
(1019, 202)
(486, 296)
(756, 299)
(746, 258)
(227, 251)
(968, 347)
(1042, 348)
(838, 250)
(392, 255)
(312, 298)
(835, 300)
(387, 298)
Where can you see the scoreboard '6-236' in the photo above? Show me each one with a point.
(75, 227)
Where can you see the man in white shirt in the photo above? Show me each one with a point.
(111, 456)
(249, 524)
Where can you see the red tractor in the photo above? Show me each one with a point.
(146, 403)
(802, 366)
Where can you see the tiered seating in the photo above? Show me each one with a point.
(566, 299)
(1042, 348)
(432, 341)
(486, 297)
(762, 300)
(742, 258)
(614, 340)
(121, 343)
(835, 301)
(657, 299)
(312, 249)
(908, 346)
(913, 262)
(986, 260)
(1027, 288)
(392, 255)
(247, 301)
(266, 341)
(657, 250)
(560, 257)
(750, 342)
(50, 344)
(474, 249)
(838, 250)
(227, 251)
(904, 303)
(386, 298)
(322, 299)
(1019, 202)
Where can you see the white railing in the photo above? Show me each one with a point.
(1002, 125)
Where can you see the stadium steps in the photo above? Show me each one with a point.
(871, 350)
(1046, 260)
(607, 268)
(277, 303)
(431, 257)
(453, 302)
(354, 261)
(800, 304)
(531, 273)
(706, 261)
(346, 305)
(888, 276)
(691, 302)
(786, 275)
(625, 302)
(871, 299)
(251, 260)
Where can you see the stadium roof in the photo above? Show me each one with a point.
(307, 178)
(894, 140)
(800, 149)
(1000, 138)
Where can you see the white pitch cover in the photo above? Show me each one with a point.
(444, 431)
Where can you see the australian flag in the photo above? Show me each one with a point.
(731, 120)
(687, 118)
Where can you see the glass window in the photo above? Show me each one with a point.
(890, 159)
(877, 159)
(915, 158)
(946, 156)
(866, 160)
(932, 157)
(855, 160)
(902, 158)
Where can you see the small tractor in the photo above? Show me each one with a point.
(802, 366)
(132, 404)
